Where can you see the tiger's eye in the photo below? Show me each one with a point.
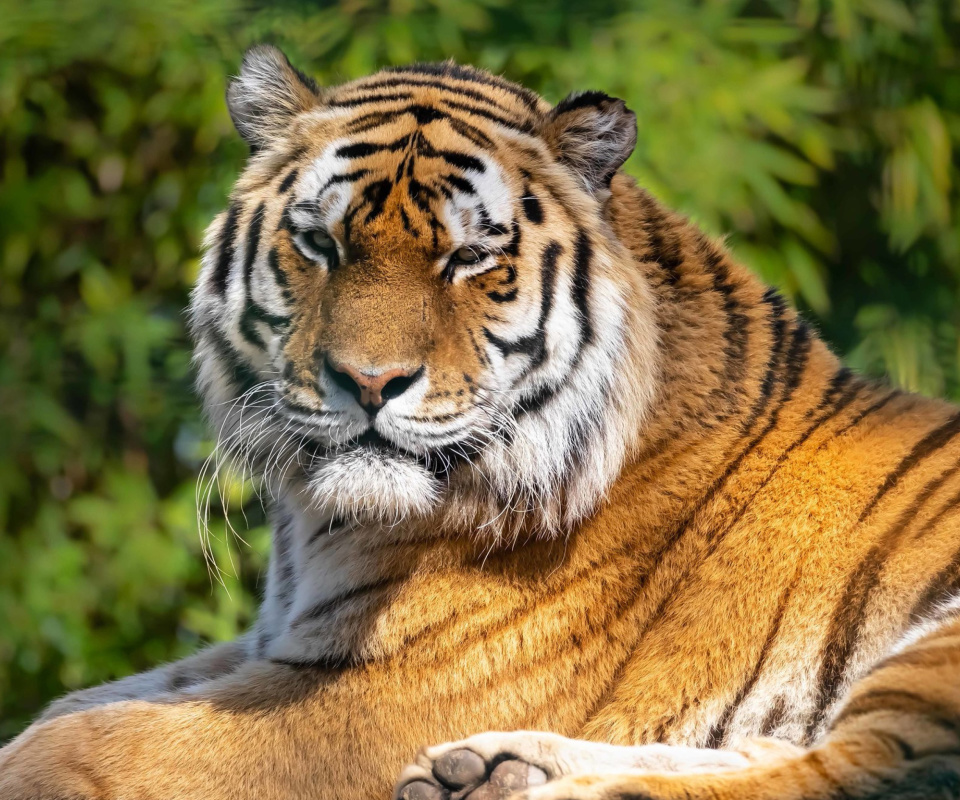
(467, 255)
(321, 240)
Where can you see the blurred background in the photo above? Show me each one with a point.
(820, 136)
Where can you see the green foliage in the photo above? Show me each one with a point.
(821, 135)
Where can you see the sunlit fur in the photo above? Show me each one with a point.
(659, 515)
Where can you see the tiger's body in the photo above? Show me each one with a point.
(598, 482)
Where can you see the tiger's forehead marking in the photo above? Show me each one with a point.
(432, 91)
(440, 186)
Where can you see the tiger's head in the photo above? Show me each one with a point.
(415, 306)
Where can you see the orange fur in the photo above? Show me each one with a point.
(776, 527)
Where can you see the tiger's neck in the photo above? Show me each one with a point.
(730, 350)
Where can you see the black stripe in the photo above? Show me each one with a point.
(778, 331)
(364, 149)
(461, 161)
(537, 401)
(471, 132)
(842, 377)
(346, 177)
(718, 731)
(253, 242)
(298, 408)
(326, 663)
(227, 248)
(664, 246)
(907, 753)
(324, 607)
(843, 634)
(335, 524)
(273, 261)
(359, 150)
(423, 114)
(581, 288)
(582, 255)
(831, 405)
(489, 227)
(255, 313)
(503, 297)
(461, 184)
(532, 209)
(735, 333)
(375, 195)
(951, 505)
(448, 69)
(522, 126)
(933, 441)
(767, 379)
(227, 356)
(944, 585)
(420, 194)
(286, 224)
(775, 716)
(247, 330)
(795, 363)
(512, 248)
(383, 97)
(287, 182)
(286, 564)
(866, 413)
(534, 345)
(369, 121)
(405, 221)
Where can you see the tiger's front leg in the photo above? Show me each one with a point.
(264, 731)
(208, 664)
(897, 737)
(183, 744)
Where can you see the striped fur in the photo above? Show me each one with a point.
(627, 496)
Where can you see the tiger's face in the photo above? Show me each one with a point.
(413, 296)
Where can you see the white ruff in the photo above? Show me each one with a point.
(372, 486)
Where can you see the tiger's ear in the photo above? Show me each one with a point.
(267, 94)
(593, 134)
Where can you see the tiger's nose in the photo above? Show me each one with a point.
(370, 387)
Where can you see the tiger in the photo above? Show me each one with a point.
(553, 481)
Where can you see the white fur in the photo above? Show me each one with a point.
(372, 486)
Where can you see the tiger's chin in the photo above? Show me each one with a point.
(372, 485)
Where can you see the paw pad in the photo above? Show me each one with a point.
(464, 775)
(460, 768)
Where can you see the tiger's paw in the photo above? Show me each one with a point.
(493, 766)
(485, 767)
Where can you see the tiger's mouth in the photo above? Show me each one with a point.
(375, 447)
(373, 440)
(440, 462)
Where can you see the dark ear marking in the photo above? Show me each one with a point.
(267, 94)
(593, 134)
